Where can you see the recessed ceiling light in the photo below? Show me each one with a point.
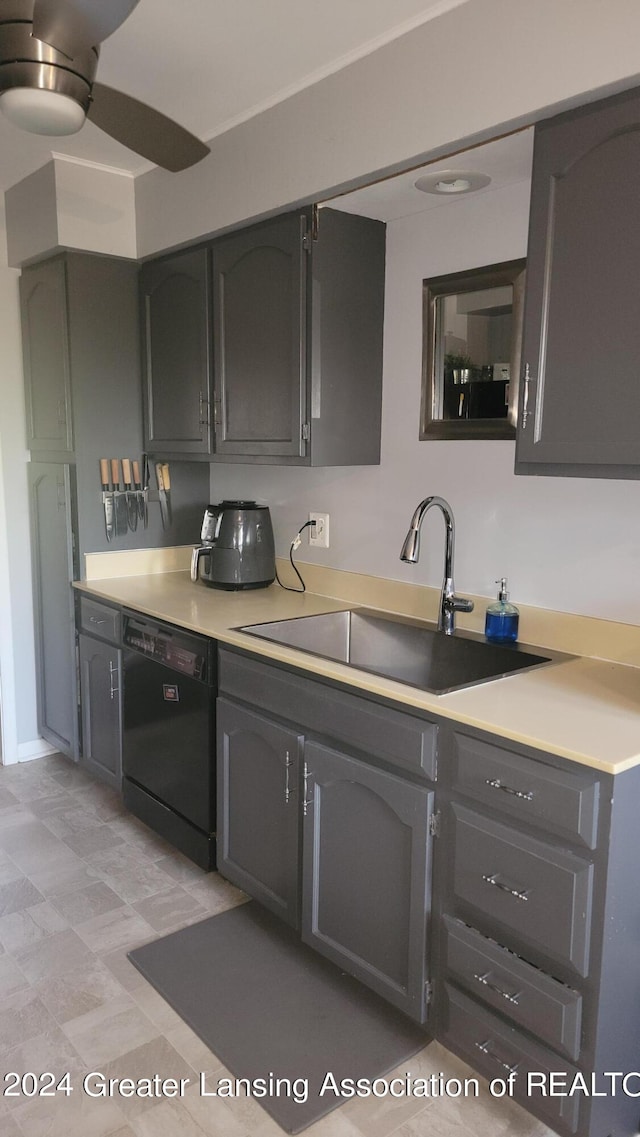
(452, 182)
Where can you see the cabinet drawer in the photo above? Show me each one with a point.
(523, 993)
(100, 620)
(541, 893)
(495, 1049)
(562, 801)
(380, 732)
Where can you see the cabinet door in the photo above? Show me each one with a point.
(366, 874)
(46, 357)
(258, 807)
(259, 340)
(52, 522)
(100, 691)
(580, 408)
(175, 299)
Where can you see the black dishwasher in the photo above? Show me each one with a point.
(168, 747)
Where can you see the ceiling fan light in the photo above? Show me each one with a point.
(42, 111)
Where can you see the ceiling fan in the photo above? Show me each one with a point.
(49, 53)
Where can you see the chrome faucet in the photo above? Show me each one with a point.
(410, 552)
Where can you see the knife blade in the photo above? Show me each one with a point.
(162, 495)
(107, 498)
(166, 480)
(132, 505)
(145, 487)
(137, 484)
(120, 499)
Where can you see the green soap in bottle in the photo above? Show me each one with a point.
(501, 621)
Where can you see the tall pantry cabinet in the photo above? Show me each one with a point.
(81, 363)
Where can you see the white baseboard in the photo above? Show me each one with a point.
(38, 748)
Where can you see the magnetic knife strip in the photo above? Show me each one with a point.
(125, 499)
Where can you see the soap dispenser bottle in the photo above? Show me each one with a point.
(501, 621)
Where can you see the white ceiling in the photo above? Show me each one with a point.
(213, 63)
(506, 160)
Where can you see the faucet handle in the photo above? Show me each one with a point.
(460, 604)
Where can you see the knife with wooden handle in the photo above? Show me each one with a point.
(162, 494)
(107, 498)
(166, 481)
(137, 485)
(132, 505)
(120, 499)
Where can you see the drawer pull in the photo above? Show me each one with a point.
(485, 1047)
(496, 784)
(288, 763)
(97, 620)
(515, 999)
(306, 801)
(113, 675)
(493, 880)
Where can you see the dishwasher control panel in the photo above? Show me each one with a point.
(189, 655)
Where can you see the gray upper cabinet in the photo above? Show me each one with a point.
(176, 343)
(259, 340)
(277, 356)
(580, 395)
(43, 303)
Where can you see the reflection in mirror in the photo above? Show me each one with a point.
(472, 330)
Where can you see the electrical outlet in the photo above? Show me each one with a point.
(319, 532)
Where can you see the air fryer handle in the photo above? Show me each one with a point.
(196, 553)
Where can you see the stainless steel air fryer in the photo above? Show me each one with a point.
(237, 549)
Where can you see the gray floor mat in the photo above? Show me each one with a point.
(271, 1008)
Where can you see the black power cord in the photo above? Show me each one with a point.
(294, 545)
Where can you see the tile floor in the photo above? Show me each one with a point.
(81, 883)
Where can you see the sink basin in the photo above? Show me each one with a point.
(409, 651)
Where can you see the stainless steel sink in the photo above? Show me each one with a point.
(410, 651)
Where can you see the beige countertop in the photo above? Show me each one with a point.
(584, 709)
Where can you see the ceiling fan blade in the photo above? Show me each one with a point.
(72, 26)
(144, 130)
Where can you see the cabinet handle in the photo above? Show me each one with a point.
(288, 763)
(62, 413)
(203, 410)
(525, 397)
(493, 880)
(485, 1047)
(97, 620)
(113, 673)
(306, 801)
(496, 784)
(515, 999)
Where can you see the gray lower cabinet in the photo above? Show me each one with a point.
(525, 925)
(54, 566)
(580, 398)
(101, 693)
(101, 688)
(259, 807)
(302, 820)
(367, 873)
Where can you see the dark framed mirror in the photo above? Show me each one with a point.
(471, 345)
